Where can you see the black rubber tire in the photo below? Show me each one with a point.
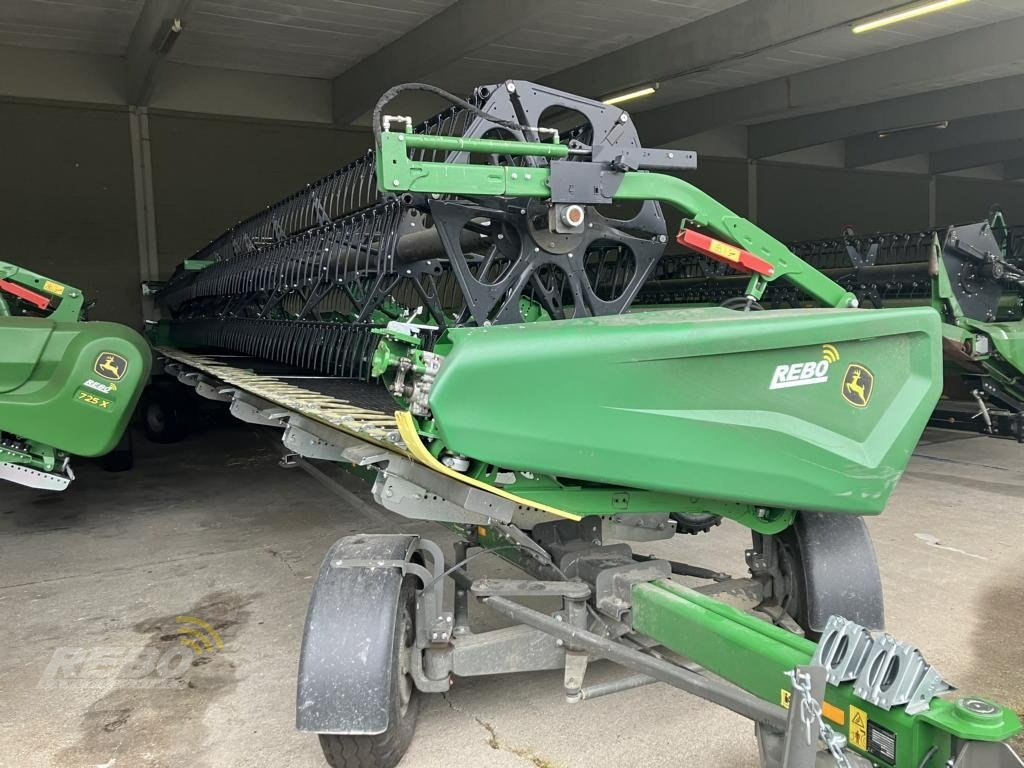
(693, 523)
(384, 750)
(161, 414)
(794, 601)
(118, 460)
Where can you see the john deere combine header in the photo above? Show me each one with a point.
(67, 387)
(476, 273)
(971, 274)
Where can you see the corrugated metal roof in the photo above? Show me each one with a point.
(310, 38)
(91, 26)
(839, 44)
(323, 38)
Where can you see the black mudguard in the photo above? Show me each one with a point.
(346, 663)
(840, 569)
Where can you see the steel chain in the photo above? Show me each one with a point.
(810, 713)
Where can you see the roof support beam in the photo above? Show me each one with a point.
(157, 28)
(870, 148)
(1013, 170)
(746, 28)
(443, 39)
(962, 158)
(37, 74)
(97, 81)
(857, 80)
(986, 97)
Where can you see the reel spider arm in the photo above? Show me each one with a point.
(578, 182)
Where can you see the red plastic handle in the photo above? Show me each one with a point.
(25, 293)
(734, 256)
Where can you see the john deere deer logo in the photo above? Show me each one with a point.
(857, 385)
(110, 366)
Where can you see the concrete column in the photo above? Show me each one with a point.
(145, 213)
(931, 201)
(752, 190)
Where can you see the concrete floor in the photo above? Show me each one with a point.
(93, 579)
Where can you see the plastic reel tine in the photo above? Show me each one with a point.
(331, 347)
(326, 333)
(347, 352)
(336, 350)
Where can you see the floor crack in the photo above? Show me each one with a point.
(277, 555)
(496, 743)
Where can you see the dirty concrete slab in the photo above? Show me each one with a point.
(98, 578)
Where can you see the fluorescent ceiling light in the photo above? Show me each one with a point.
(939, 124)
(904, 15)
(646, 91)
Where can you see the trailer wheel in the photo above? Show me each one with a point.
(118, 460)
(825, 565)
(794, 578)
(162, 416)
(385, 750)
(695, 522)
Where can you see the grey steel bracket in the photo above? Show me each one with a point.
(420, 678)
(635, 158)
(502, 651)
(842, 649)
(213, 390)
(895, 674)
(417, 492)
(886, 672)
(638, 527)
(313, 440)
(254, 410)
(575, 669)
(35, 478)
(434, 624)
(613, 586)
(188, 378)
(586, 183)
(573, 590)
(365, 454)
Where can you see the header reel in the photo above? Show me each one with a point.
(307, 281)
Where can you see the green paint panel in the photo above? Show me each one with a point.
(700, 402)
(70, 385)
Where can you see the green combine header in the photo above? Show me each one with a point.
(457, 314)
(67, 387)
(972, 275)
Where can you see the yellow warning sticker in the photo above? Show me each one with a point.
(724, 250)
(55, 288)
(858, 728)
(831, 711)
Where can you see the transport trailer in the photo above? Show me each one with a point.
(472, 274)
(68, 387)
(971, 274)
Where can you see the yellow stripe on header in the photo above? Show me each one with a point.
(411, 438)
